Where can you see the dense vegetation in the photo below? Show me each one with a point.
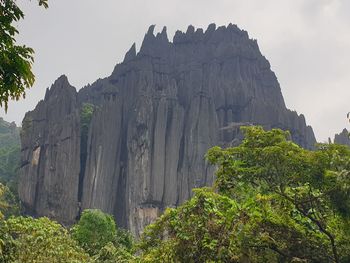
(272, 201)
(38, 240)
(94, 230)
(9, 153)
(93, 239)
(86, 112)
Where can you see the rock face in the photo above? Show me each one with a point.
(50, 155)
(342, 138)
(154, 120)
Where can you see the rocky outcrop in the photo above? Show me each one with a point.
(154, 120)
(342, 138)
(50, 155)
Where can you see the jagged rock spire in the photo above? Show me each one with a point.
(165, 107)
(131, 54)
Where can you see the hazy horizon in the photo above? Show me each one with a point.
(306, 42)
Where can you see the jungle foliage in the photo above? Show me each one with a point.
(272, 201)
(9, 154)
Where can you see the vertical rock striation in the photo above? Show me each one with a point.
(155, 118)
(342, 138)
(50, 156)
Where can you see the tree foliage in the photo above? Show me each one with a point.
(25, 239)
(9, 204)
(86, 112)
(94, 230)
(112, 253)
(272, 202)
(9, 154)
(15, 60)
(198, 231)
(97, 233)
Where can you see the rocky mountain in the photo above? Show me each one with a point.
(50, 155)
(152, 122)
(342, 138)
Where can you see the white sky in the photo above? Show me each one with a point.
(306, 41)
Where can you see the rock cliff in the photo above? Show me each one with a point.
(50, 155)
(342, 138)
(153, 121)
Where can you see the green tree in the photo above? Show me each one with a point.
(15, 60)
(97, 233)
(311, 188)
(124, 239)
(272, 201)
(3, 203)
(112, 253)
(86, 112)
(24, 239)
(9, 154)
(198, 231)
(94, 230)
(9, 205)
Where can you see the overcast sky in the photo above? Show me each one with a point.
(306, 41)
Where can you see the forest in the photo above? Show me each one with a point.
(276, 194)
(272, 201)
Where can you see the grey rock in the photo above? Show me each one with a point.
(131, 54)
(342, 138)
(50, 142)
(157, 115)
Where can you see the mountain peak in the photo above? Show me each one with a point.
(156, 116)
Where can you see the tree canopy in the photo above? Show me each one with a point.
(15, 60)
(272, 201)
(97, 233)
(94, 230)
(9, 153)
(38, 240)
